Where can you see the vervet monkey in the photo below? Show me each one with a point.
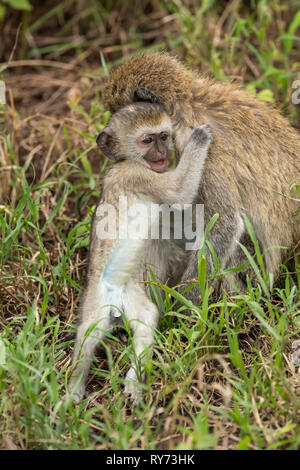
(139, 137)
(252, 163)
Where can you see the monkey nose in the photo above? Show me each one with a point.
(162, 153)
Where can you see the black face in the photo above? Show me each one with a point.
(155, 147)
(152, 138)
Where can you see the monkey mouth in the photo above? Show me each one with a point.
(158, 165)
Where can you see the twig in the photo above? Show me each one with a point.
(38, 63)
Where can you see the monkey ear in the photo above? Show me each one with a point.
(145, 95)
(106, 143)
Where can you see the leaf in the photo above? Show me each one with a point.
(255, 243)
(210, 224)
(104, 65)
(2, 14)
(244, 444)
(19, 4)
(256, 270)
(266, 95)
(202, 274)
(179, 297)
(259, 313)
(288, 43)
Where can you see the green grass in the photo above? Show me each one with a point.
(222, 375)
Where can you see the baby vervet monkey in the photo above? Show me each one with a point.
(139, 138)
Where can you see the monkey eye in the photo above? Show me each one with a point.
(164, 136)
(147, 139)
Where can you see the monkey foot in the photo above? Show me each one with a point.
(76, 394)
(134, 393)
(133, 388)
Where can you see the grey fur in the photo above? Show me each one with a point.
(117, 268)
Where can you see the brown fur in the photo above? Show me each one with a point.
(253, 161)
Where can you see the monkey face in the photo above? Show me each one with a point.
(140, 132)
(155, 148)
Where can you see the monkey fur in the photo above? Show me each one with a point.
(116, 266)
(252, 164)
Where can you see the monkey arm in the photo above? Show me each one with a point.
(182, 184)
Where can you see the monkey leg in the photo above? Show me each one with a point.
(143, 317)
(86, 344)
(272, 257)
(224, 241)
(238, 281)
(232, 282)
(96, 322)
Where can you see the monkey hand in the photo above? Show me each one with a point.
(202, 136)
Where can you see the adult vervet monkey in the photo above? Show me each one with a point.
(254, 159)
